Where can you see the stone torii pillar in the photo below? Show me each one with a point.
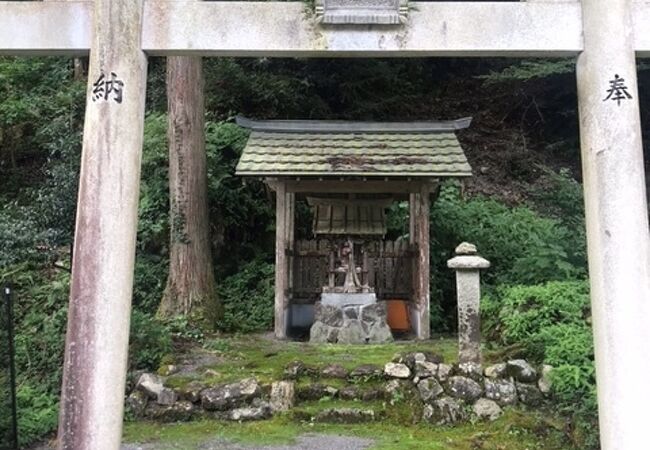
(94, 375)
(617, 221)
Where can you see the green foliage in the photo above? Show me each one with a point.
(241, 211)
(40, 323)
(551, 322)
(522, 246)
(38, 410)
(530, 69)
(149, 282)
(248, 298)
(180, 327)
(524, 312)
(153, 209)
(149, 342)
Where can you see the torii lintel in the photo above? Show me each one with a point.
(289, 29)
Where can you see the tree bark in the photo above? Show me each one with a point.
(191, 289)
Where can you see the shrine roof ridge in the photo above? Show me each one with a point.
(343, 126)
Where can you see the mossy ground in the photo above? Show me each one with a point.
(515, 430)
(262, 357)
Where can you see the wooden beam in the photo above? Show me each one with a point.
(355, 187)
(291, 241)
(281, 261)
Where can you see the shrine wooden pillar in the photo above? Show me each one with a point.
(94, 372)
(291, 239)
(420, 206)
(283, 219)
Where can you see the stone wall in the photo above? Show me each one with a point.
(443, 393)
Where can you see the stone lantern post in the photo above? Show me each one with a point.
(467, 264)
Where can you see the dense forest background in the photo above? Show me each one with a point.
(523, 208)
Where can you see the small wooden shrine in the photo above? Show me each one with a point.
(350, 173)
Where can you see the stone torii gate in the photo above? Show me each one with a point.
(605, 35)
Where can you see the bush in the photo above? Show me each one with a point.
(149, 342)
(248, 298)
(519, 314)
(552, 324)
(522, 246)
(38, 411)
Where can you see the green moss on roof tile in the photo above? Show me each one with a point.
(429, 153)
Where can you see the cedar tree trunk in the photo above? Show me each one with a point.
(191, 286)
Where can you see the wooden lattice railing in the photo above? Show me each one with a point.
(390, 271)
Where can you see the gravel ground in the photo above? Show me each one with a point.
(304, 442)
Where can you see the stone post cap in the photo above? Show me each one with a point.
(467, 258)
(465, 248)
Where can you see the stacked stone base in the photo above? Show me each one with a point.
(445, 394)
(351, 324)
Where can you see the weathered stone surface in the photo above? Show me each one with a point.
(314, 391)
(328, 314)
(366, 370)
(350, 393)
(425, 369)
(352, 333)
(521, 371)
(345, 415)
(471, 370)
(178, 412)
(294, 370)
(379, 333)
(350, 319)
(371, 394)
(350, 312)
(410, 359)
(392, 387)
(544, 383)
(191, 391)
(258, 411)
(230, 395)
(444, 372)
(136, 403)
(166, 396)
(150, 384)
(465, 248)
(429, 389)
(445, 410)
(468, 262)
(464, 388)
(132, 380)
(282, 395)
(397, 370)
(334, 371)
(501, 391)
(375, 312)
(529, 394)
(487, 409)
(496, 371)
(321, 333)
